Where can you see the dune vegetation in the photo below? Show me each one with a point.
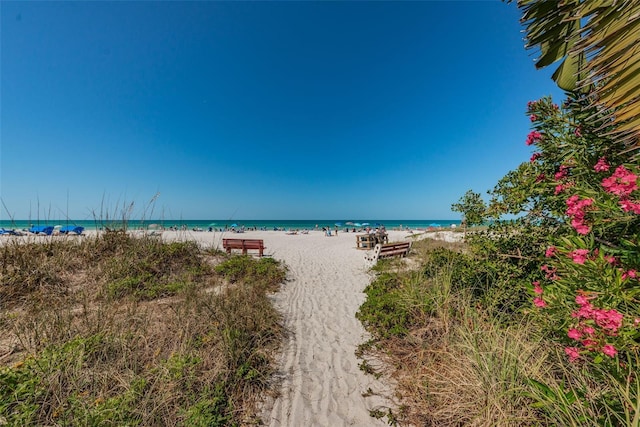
(117, 330)
(535, 320)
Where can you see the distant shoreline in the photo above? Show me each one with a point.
(220, 225)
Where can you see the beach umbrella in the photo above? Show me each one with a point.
(338, 224)
(349, 223)
(234, 225)
(365, 223)
(433, 224)
(212, 224)
(357, 224)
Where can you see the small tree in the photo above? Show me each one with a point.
(472, 207)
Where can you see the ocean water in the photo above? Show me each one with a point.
(237, 223)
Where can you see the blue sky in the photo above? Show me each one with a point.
(260, 110)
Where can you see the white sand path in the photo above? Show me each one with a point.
(322, 384)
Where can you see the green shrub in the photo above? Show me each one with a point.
(211, 410)
(264, 272)
(383, 313)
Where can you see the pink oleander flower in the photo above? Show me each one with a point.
(551, 251)
(573, 205)
(533, 137)
(622, 183)
(636, 322)
(582, 300)
(629, 274)
(589, 343)
(588, 330)
(580, 226)
(579, 256)
(573, 353)
(533, 117)
(609, 350)
(576, 211)
(608, 319)
(540, 177)
(539, 302)
(585, 311)
(576, 205)
(629, 206)
(574, 334)
(611, 259)
(578, 132)
(538, 289)
(562, 172)
(535, 156)
(601, 165)
(550, 272)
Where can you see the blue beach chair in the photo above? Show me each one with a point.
(72, 229)
(41, 229)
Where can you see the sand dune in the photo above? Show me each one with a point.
(320, 383)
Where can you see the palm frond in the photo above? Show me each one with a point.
(598, 42)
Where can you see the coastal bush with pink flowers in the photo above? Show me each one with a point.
(536, 320)
(585, 293)
(588, 284)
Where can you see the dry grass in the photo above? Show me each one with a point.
(452, 366)
(457, 363)
(124, 331)
(466, 377)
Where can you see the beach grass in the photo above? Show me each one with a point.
(457, 361)
(117, 330)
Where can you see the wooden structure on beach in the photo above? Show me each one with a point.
(244, 245)
(370, 240)
(389, 250)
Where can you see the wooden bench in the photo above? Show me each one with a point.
(389, 250)
(244, 245)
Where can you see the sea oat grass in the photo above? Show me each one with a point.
(586, 394)
(453, 365)
(34, 268)
(459, 360)
(196, 354)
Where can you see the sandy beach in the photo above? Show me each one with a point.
(319, 382)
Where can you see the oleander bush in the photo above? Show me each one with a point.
(537, 320)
